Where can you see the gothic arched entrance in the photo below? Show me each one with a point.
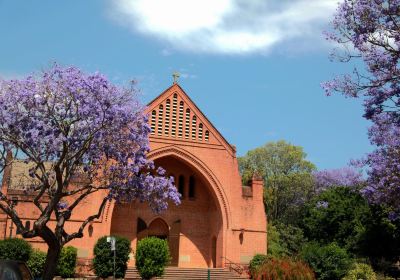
(194, 229)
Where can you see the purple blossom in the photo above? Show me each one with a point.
(88, 125)
(369, 31)
(345, 176)
(62, 205)
(322, 204)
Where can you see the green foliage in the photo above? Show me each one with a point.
(360, 271)
(291, 237)
(152, 255)
(283, 269)
(103, 257)
(276, 248)
(382, 238)
(284, 240)
(287, 178)
(256, 261)
(15, 249)
(342, 220)
(330, 262)
(67, 262)
(36, 262)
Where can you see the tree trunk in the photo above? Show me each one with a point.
(53, 253)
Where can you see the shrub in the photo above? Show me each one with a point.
(360, 271)
(283, 269)
(103, 257)
(67, 262)
(152, 255)
(256, 261)
(330, 262)
(15, 249)
(36, 262)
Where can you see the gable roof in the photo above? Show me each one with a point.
(174, 115)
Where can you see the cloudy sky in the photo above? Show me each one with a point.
(253, 66)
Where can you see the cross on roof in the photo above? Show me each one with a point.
(176, 76)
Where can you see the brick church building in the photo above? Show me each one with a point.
(218, 221)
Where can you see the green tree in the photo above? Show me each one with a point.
(287, 178)
(339, 215)
(284, 240)
(381, 242)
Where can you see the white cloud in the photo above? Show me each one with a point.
(225, 26)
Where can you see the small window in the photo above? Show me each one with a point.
(160, 119)
(194, 126)
(28, 225)
(192, 186)
(181, 185)
(207, 136)
(167, 113)
(201, 132)
(153, 122)
(187, 124)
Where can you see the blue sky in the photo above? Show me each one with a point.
(253, 67)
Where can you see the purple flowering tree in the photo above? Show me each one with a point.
(65, 124)
(369, 31)
(345, 177)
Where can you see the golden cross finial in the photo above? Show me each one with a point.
(176, 76)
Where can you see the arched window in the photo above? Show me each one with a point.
(207, 135)
(153, 122)
(90, 230)
(194, 130)
(201, 132)
(167, 112)
(28, 225)
(192, 186)
(187, 123)
(181, 186)
(174, 107)
(160, 119)
(180, 123)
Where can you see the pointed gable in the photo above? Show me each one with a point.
(174, 116)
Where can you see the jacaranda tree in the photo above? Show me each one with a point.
(345, 177)
(65, 123)
(369, 31)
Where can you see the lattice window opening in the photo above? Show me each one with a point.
(187, 124)
(160, 119)
(174, 109)
(207, 136)
(194, 127)
(153, 121)
(167, 116)
(180, 121)
(201, 132)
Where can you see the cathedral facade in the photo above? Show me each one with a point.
(219, 221)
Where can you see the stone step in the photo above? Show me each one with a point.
(189, 274)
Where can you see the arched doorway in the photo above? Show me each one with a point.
(194, 229)
(158, 228)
